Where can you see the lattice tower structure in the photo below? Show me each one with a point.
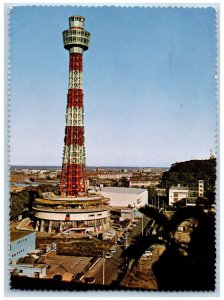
(73, 177)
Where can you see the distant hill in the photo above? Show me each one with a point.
(189, 172)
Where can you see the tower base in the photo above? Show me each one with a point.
(89, 213)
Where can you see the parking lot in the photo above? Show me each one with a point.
(67, 266)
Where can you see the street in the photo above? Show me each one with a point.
(113, 265)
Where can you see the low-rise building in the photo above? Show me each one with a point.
(191, 195)
(21, 243)
(114, 175)
(123, 213)
(200, 188)
(177, 193)
(109, 235)
(29, 270)
(122, 196)
(143, 182)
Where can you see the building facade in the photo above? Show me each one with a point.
(29, 270)
(200, 188)
(177, 193)
(21, 243)
(143, 182)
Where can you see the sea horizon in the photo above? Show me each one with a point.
(46, 167)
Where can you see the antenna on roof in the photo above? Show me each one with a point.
(211, 156)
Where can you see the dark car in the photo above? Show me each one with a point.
(90, 279)
(57, 277)
(120, 242)
(77, 277)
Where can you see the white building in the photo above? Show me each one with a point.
(177, 193)
(123, 196)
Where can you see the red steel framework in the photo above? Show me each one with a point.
(73, 176)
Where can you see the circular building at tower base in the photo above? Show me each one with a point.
(90, 213)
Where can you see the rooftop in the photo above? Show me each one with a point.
(122, 190)
(121, 208)
(15, 235)
(179, 188)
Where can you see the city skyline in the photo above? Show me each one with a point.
(136, 55)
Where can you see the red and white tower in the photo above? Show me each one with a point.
(73, 176)
(74, 209)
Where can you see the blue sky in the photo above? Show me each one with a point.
(149, 85)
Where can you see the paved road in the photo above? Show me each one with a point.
(113, 265)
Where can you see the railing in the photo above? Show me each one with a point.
(70, 209)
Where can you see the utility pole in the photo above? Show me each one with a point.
(103, 267)
(142, 224)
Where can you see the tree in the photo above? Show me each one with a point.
(189, 172)
(175, 271)
(151, 194)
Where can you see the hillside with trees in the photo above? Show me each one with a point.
(189, 172)
(22, 201)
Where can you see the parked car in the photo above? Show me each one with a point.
(57, 277)
(145, 257)
(77, 277)
(120, 242)
(112, 250)
(108, 255)
(148, 253)
(90, 280)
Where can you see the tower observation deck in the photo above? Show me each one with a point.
(73, 176)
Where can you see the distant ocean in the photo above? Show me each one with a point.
(15, 167)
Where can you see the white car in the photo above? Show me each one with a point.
(148, 253)
(112, 250)
(145, 257)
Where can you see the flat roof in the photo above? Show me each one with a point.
(123, 190)
(180, 188)
(121, 208)
(15, 235)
